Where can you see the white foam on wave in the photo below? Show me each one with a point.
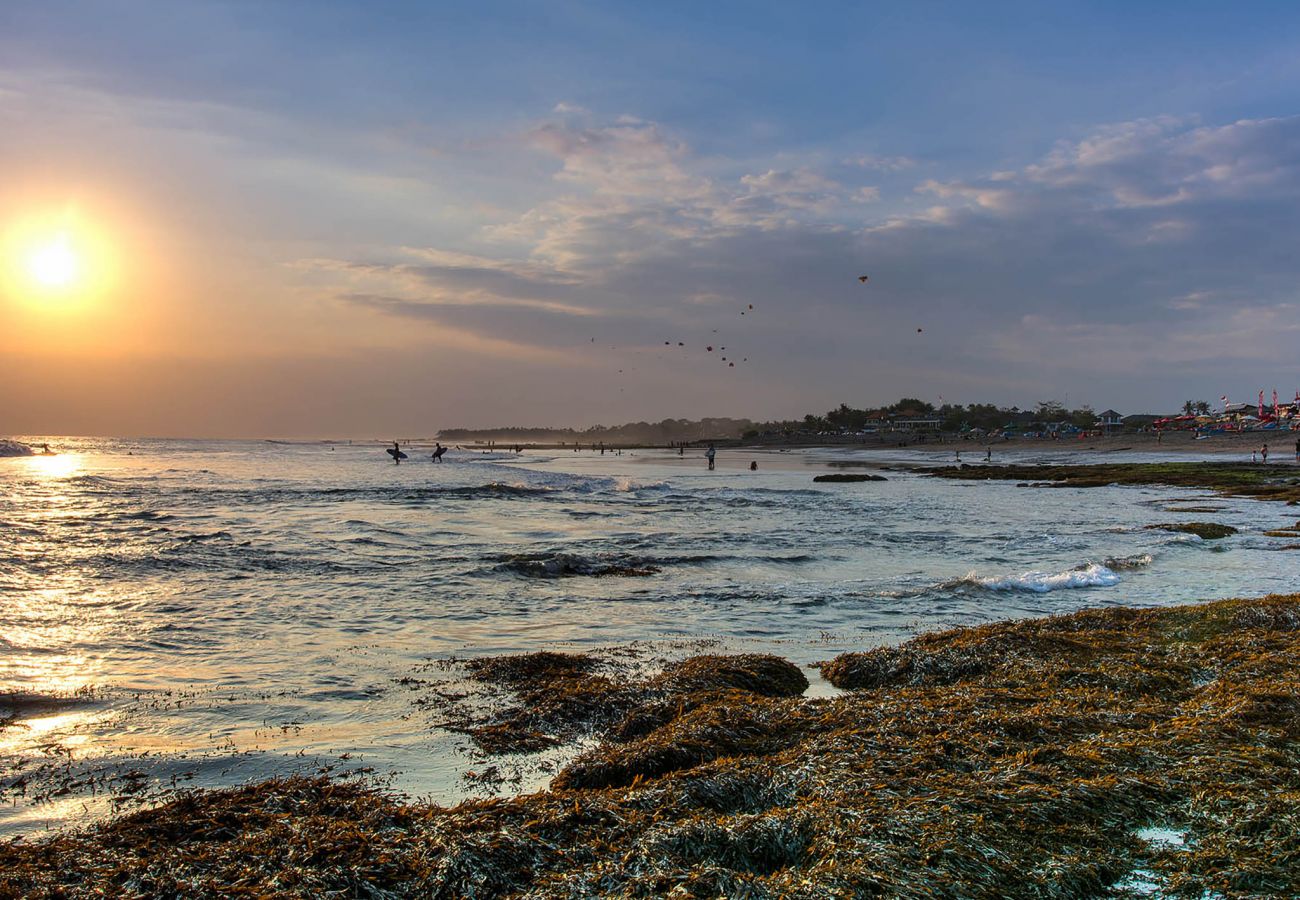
(1093, 575)
(15, 448)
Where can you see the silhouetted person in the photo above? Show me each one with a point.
(709, 455)
(753, 465)
(438, 451)
(397, 454)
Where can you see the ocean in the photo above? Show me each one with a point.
(204, 613)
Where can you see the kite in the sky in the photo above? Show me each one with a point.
(863, 279)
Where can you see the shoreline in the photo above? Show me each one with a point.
(1031, 754)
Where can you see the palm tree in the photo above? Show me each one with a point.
(1202, 408)
(1189, 408)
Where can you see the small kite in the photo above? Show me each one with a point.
(709, 348)
(863, 279)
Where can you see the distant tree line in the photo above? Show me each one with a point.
(844, 419)
(952, 417)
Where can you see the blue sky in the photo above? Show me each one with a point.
(522, 201)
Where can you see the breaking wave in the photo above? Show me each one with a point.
(1092, 575)
(14, 448)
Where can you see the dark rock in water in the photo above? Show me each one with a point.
(846, 476)
(1206, 531)
(571, 565)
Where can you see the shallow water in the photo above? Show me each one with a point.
(243, 609)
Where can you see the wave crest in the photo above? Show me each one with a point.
(1091, 575)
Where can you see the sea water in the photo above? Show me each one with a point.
(222, 611)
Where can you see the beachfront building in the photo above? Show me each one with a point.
(1109, 419)
(918, 424)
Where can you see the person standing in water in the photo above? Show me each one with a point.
(397, 453)
(709, 455)
(753, 465)
(438, 451)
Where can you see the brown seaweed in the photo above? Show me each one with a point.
(1015, 759)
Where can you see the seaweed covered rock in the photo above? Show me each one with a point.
(1227, 478)
(952, 656)
(729, 727)
(530, 669)
(556, 696)
(559, 696)
(759, 673)
(1206, 531)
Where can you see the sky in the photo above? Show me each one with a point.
(327, 219)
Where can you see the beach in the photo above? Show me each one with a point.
(729, 669)
(1106, 753)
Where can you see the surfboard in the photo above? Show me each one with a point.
(396, 454)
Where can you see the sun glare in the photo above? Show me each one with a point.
(58, 260)
(55, 264)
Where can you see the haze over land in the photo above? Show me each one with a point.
(320, 219)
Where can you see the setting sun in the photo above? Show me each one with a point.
(55, 264)
(60, 259)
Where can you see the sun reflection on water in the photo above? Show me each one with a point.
(54, 465)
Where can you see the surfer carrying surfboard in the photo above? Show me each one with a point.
(396, 453)
(438, 451)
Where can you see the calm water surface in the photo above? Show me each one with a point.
(232, 610)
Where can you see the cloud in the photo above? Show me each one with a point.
(881, 163)
(1149, 250)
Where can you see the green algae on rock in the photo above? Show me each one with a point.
(1014, 759)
